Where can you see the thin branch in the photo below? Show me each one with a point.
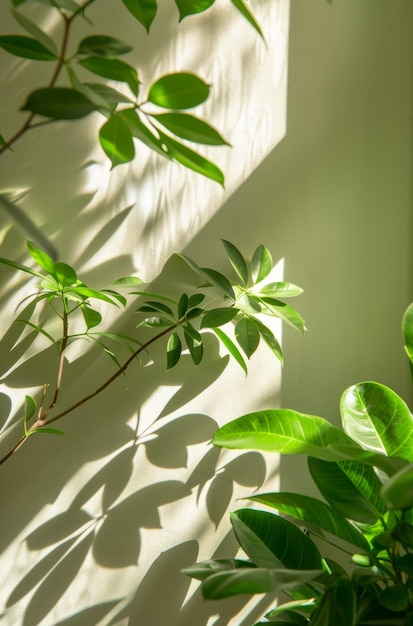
(65, 336)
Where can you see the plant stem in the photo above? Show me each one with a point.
(61, 364)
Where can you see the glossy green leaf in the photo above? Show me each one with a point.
(191, 7)
(218, 317)
(261, 264)
(272, 542)
(116, 140)
(190, 128)
(26, 47)
(351, 488)
(254, 580)
(237, 261)
(283, 431)
(204, 569)
(190, 159)
(30, 408)
(85, 292)
(114, 69)
(407, 327)
(92, 318)
(270, 339)
(231, 347)
(312, 511)
(173, 350)
(65, 274)
(182, 305)
(41, 257)
(60, 103)
(143, 10)
(180, 90)
(128, 281)
(378, 419)
(141, 132)
(337, 606)
(397, 492)
(285, 312)
(194, 344)
(36, 32)
(247, 335)
(102, 46)
(302, 604)
(280, 289)
(243, 9)
(155, 322)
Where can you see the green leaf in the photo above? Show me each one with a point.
(261, 264)
(190, 159)
(107, 96)
(218, 317)
(92, 318)
(272, 542)
(158, 306)
(143, 10)
(84, 292)
(141, 132)
(26, 47)
(243, 9)
(59, 103)
(22, 268)
(116, 140)
(337, 606)
(378, 419)
(303, 604)
(3, 142)
(182, 305)
(395, 598)
(173, 351)
(231, 347)
(65, 274)
(102, 46)
(194, 344)
(35, 31)
(397, 492)
(117, 296)
(254, 580)
(247, 335)
(41, 257)
(407, 328)
(217, 279)
(49, 431)
(270, 339)
(190, 128)
(37, 328)
(191, 7)
(154, 295)
(180, 90)
(237, 261)
(128, 281)
(30, 408)
(285, 312)
(312, 511)
(351, 488)
(195, 299)
(114, 69)
(283, 431)
(280, 290)
(204, 569)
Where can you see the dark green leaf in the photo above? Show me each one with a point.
(41, 257)
(195, 312)
(397, 492)
(49, 431)
(30, 408)
(143, 10)
(247, 335)
(243, 9)
(60, 103)
(35, 31)
(102, 46)
(191, 159)
(237, 261)
(190, 7)
(116, 140)
(159, 306)
(231, 347)
(92, 318)
(195, 299)
(337, 606)
(173, 351)
(182, 305)
(22, 268)
(26, 47)
(178, 91)
(261, 264)
(194, 344)
(218, 317)
(270, 339)
(204, 569)
(378, 419)
(65, 274)
(272, 542)
(190, 128)
(114, 69)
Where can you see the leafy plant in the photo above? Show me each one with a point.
(242, 303)
(159, 119)
(364, 471)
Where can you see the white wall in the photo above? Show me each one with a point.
(333, 200)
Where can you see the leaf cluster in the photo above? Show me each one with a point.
(364, 473)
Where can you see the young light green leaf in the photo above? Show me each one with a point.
(102, 46)
(218, 317)
(182, 305)
(237, 261)
(50, 431)
(116, 140)
(247, 335)
(231, 347)
(261, 264)
(65, 274)
(191, 7)
(191, 159)
(92, 318)
(127, 281)
(26, 47)
(285, 312)
(270, 339)
(280, 290)
(41, 257)
(59, 103)
(243, 9)
(114, 69)
(37, 328)
(173, 350)
(84, 292)
(190, 128)
(36, 32)
(180, 90)
(143, 10)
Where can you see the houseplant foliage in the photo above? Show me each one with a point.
(364, 471)
(240, 304)
(159, 117)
